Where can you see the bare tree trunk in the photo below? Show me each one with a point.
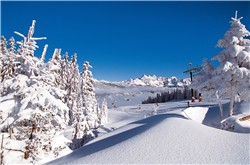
(1, 154)
(220, 105)
(221, 110)
(231, 107)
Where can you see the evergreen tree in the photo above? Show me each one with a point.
(3, 45)
(12, 46)
(234, 36)
(231, 78)
(234, 60)
(103, 116)
(7, 61)
(28, 45)
(7, 68)
(89, 99)
(82, 132)
(73, 87)
(54, 67)
(75, 78)
(85, 110)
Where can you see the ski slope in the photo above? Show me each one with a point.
(175, 135)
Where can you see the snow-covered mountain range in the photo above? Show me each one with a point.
(134, 91)
(151, 81)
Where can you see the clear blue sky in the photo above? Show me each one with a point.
(125, 40)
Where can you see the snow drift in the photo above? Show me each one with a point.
(164, 139)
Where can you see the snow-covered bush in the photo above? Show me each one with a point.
(235, 124)
(37, 115)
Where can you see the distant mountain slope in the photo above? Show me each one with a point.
(134, 91)
(152, 81)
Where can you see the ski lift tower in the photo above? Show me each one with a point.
(191, 71)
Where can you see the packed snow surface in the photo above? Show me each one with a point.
(196, 113)
(175, 135)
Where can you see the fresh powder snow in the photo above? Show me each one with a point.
(175, 136)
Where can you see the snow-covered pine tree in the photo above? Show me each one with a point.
(235, 35)
(3, 45)
(7, 61)
(24, 61)
(85, 110)
(84, 114)
(56, 57)
(20, 48)
(232, 77)
(82, 117)
(75, 78)
(28, 45)
(103, 114)
(64, 73)
(82, 132)
(88, 94)
(12, 46)
(54, 67)
(72, 87)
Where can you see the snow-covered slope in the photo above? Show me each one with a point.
(164, 139)
(118, 94)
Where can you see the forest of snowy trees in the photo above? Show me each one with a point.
(176, 94)
(39, 99)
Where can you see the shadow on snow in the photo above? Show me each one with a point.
(144, 125)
